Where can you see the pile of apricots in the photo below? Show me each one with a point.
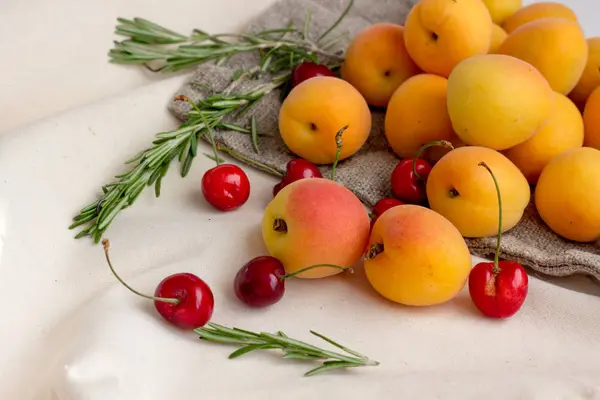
(515, 88)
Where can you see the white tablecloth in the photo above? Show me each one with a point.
(69, 331)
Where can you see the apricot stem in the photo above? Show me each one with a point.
(496, 268)
(338, 143)
(374, 250)
(441, 143)
(282, 277)
(279, 225)
(106, 245)
(247, 160)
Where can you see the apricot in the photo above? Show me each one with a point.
(500, 10)
(314, 112)
(554, 46)
(417, 114)
(590, 78)
(441, 33)
(416, 257)
(591, 120)
(497, 101)
(462, 191)
(568, 193)
(535, 11)
(315, 221)
(563, 131)
(376, 62)
(498, 36)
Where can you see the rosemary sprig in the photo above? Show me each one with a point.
(279, 48)
(292, 349)
(152, 164)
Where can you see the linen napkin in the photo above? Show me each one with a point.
(367, 173)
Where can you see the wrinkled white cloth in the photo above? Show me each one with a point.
(70, 331)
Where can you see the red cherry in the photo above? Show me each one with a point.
(385, 204)
(195, 300)
(297, 169)
(406, 186)
(308, 70)
(259, 282)
(226, 187)
(182, 299)
(500, 294)
(499, 288)
(382, 206)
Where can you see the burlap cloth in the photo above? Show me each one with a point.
(367, 173)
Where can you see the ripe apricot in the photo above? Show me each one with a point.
(313, 113)
(590, 78)
(497, 101)
(544, 41)
(315, 221)
(417, 114)
(376, 62)
(500, 10)
(416, 257)
(563, 131)
(568, 193)
(498, 36)
(462, 191)
(538, 10)
(441, 33)
(591, 120)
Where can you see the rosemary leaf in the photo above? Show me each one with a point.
(331, 366)
(251, 347)
(254, 135)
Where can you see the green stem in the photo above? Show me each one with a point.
(106, 245)
(254, 163)
(441, 143)
(282, 277)
(336, 23)
(496, 268)
(338, 150)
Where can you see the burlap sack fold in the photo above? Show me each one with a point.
(367, 173)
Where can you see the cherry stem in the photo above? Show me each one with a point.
(496, 268)
(338, 143)
(282, 277)
(247, 160)
(441, 143)
(106, 245)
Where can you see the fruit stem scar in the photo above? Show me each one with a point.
(313, 126)
(279, 225)
(434, 36)
(349, 269)
(374, 250)
(387, 73)
(453, 193)
(106, 246)
(496, 268)
(441, 143)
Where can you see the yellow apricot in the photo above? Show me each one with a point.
(539, 10)
(568, 193)
(554, 46)
(376, 62)
(417, 114)
(590, 78)
(497, 101)
(591, 120)
(563, 131)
